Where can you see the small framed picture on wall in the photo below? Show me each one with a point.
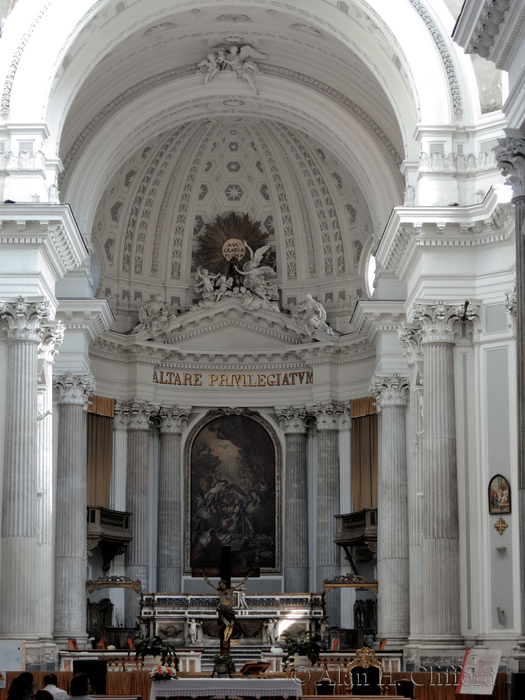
(499, 495)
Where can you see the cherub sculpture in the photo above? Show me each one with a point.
(234, 58)
(205, 286)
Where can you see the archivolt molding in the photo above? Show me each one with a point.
(445, 56)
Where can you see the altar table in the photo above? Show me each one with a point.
(226, 688)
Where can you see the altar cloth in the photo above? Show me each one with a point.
(226, 687)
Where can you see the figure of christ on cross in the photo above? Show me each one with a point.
(225, 590)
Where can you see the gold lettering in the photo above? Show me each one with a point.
(162, 380)
(213, 379)
(272, 383)
(155, 380)
(177, 380)
(197, 379)
(309, 377)
(294, 374)
(278, 379)
(223, 380)
(187, 378)
(285, 380)
(238, 378)
(251, 380)
(301, 377)
(262, 380)
(170, 377)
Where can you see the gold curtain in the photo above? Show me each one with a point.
(364, 453)
(99, 450)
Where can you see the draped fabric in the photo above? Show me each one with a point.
(99, 450)
(364, 453)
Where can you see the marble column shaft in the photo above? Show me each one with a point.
(390, 393)
(173, 421)
(18, 580)
(328, 486)
(293, 424)
(440, 485)
(137, 492)
(71, 506)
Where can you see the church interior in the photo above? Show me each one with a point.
(260, 294)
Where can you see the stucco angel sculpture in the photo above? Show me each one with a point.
(256, 276)
(310, 316)
(234, 58)
(155, 316)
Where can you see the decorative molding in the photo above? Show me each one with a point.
(173, 420)
(292, 420)
(74, 390)
(510, 156)
(445, 56)
(488, 25)
(437, 321)
(410, 339)
(457, 163)
(389, 390)
(24, 318)
(51, 337)
(17, 56)
(511, 303)
(286, 219)
(9, 162)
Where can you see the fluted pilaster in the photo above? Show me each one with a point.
(73, 392)
(511, 159)
(137, 554)
(328, 485)
(173, 421)
(18, 580)
(391, 393)
(293, 424)
(440, 509)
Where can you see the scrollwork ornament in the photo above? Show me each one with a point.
(389, 390)
(511, 303)
(74, 389)
(173, 420)
(292, 420)
(510, 156)
(24, 318)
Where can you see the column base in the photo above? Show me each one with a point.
(393, 643)
(434, 653)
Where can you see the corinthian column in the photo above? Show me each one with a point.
(440, 488)
(511, 159)
(137, 554)
(173, 421)
(292, 421)
(328, 486)
(391, 395)
(18, 581)
(71, 506)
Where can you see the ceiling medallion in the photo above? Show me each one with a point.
(224, 242)
(233, 103)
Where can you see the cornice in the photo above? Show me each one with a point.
(372, 317)
(91, 315)
(488, 223)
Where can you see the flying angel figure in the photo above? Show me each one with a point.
(256, 277)
(245, 70)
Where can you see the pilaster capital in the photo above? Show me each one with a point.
(24, 318)
(173, 420)
(510, 156)
(410, 339)
(139, 414)
(292, 420)
(74, 390)
(511, 302)
(51, 337)
(437, 321)
(389, 390)
(121, 415)
(327, 415)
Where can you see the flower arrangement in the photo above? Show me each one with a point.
(163, 673)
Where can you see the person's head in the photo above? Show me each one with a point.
(21, 685)
(50, 679)
(42, 695)
(79, 685)
(222, 585)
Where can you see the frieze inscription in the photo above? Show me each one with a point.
(233, 380)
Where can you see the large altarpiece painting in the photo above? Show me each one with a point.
(233, 492)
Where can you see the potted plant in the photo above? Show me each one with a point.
(222, 666)
(306, 644)
(155, 646)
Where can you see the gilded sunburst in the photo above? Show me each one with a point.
(222, 244)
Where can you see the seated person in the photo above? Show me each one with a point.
(50, 684)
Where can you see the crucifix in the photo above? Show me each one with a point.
(225, 590)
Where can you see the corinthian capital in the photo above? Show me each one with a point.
(24, 318)
(74, 389)
(389, 390)
(410, 339)
(121, 415)
(173, 419)
(139, 414)
(51, 338)
(292, 420)
(437, 321)
(327, 414)
(511, 160)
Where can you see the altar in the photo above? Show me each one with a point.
(226, 688)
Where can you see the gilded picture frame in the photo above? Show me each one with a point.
(499, 495)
